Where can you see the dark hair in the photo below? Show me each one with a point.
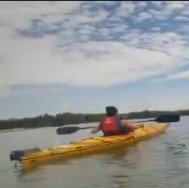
(111, 110)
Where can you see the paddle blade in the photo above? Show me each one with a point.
(168, 118)
(66, 130)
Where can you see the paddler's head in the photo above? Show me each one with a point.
(111, 110)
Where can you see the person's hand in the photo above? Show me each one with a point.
(95, 130)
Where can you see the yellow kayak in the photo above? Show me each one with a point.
(36, 157)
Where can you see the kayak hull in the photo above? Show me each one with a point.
(90, 146)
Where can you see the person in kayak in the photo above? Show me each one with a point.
(114, 124)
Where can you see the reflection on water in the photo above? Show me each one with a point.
(158, 162)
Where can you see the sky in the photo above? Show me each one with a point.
(81, 56)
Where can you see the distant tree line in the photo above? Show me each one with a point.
(153, 114)
(47, 120)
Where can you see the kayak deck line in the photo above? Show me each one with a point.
(54, 152)
(89, 146)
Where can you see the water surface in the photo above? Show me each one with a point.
(162, 161)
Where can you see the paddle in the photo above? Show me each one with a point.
(164, 119)
(160, 119)
(70, 129)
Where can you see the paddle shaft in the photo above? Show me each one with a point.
(133, 122)
(160, 119)
(86, 127)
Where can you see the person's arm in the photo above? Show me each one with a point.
(96, 129)
(131, 124)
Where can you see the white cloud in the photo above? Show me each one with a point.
(184, 29)
(95, 16)
(157, 3)
(185, 12)
(176, 5)
(126, 9)
(157, 14)
(181, 18)
(116, 63)
(105, 32)
(169, 42)
(142, 3)
(40, 61)
(103, 2)
(144, 16)
(156, 28)
(168, 8)
(17, 14)
(86, 29)
(181, 75)
(120, 28)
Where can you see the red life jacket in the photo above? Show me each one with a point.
(111, 125)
